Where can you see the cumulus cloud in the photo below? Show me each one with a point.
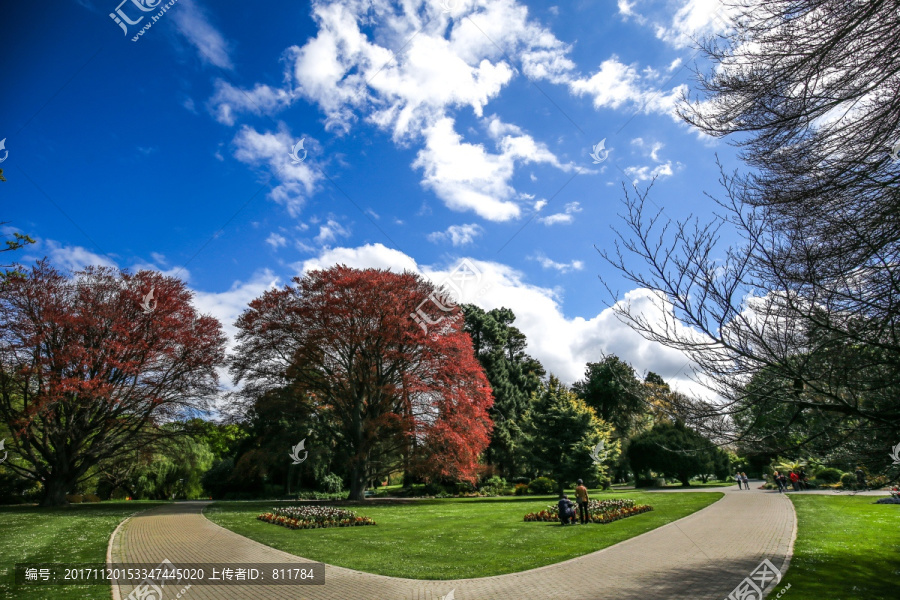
(458, 235)
(567, 216)
(616, 84)
(330, 231)
(192, 22)
(647, 172)
(276, 240)
(547, 263)
(298, 181)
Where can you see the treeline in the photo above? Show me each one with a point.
(115, 405)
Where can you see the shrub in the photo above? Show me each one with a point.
(434, 489)
(74, 498)
(521, 489)
(542, 485)
(606, 483)
(848, 481)
(877, 481)
(464, 487)
(307, 495)
(91, 498)
(515, 480)
(829, 475)
(333, 484)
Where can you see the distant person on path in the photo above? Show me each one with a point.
(746, 480)
(795, 481)
(581, 497)
(779, 481)
(566, 510)
(737, 478)
(861, 478)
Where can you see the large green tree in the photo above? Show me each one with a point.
(514, 377)
(613, 390)
(676, 450)
(562, 432)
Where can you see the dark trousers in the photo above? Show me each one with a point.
(567, 517)
(582, 511)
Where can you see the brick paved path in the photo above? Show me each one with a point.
(702, 556)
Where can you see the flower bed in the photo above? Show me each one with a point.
(314, 517)
(599, 511)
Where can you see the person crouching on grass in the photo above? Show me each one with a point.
(566, 510)
(581, 498)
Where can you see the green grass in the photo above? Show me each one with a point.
(74, 534)
(455, 538)
(846, 549)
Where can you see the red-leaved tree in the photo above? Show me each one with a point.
(388, 389)
(91, 364)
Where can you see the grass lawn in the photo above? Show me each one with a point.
(455, 538)
(846, 549)
(74, 534)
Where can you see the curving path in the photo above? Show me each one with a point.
(702, 556)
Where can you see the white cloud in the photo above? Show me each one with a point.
(67, 258)
(616, 84)
(227, 101)
(276, 241)
(547, 263)
(370, 256)
(298, 180)
(194, 25)
(330, 231)
(567, 216)
(694, 20)
(459, 235)
(647, 173)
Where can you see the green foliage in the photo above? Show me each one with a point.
(521, 489)
(514, 376)
(542, 485)
(675, 450)
(829, 475)
(333, 484)
(562, 430)
(613, 390)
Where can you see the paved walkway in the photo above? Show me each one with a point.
(702, 556)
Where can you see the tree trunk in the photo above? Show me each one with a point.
(55, 491)
(685, 480)
(357, 482)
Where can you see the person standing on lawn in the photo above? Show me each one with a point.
(795, 481)
(581, 498)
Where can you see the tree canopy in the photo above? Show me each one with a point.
(87, 372)
(388, 391)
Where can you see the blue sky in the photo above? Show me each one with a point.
(432, 132)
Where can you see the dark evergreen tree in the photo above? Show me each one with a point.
(514, 377)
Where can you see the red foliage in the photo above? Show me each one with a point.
(347, 337)
(89, 363)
